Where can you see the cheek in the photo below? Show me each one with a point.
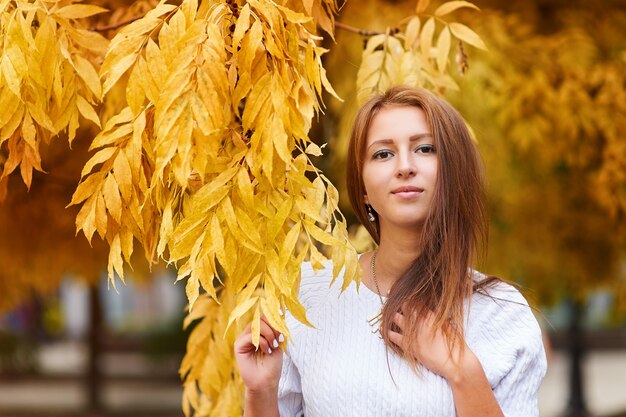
(431, 172)
(372, 180)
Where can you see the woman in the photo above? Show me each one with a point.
(450, 341)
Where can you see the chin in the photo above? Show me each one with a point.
(408, 223)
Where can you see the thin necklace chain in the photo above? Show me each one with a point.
(373, 268)
(375, 320)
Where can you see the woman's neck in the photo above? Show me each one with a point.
(397, 250)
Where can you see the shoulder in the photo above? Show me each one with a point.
(501, 313)
(504, 333)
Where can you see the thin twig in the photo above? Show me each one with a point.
(361, 32)
(116, 26)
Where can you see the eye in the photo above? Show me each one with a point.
(382, 154)
(425, 149)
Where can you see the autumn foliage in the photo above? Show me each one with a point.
(198, 117)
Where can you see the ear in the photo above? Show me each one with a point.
(366, 200)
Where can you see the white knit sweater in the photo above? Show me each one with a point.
(339, 369)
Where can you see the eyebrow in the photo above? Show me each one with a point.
(411, 139)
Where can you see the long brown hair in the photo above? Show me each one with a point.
(440, 280)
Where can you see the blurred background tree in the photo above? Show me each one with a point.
(546, 105)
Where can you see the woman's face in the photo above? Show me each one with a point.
(400, 166)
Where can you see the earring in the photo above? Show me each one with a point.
(370, 213)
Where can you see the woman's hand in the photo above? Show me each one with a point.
(433, 350)
(259, 368)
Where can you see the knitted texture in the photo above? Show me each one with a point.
(340, 368)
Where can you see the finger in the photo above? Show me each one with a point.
(269, 334)
(396, 338)
(244, 345)
(399, 320)
(277, 335)
(264, 346)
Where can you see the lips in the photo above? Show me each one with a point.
(407, 189)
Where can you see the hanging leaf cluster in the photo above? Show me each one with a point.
(412, 56)
(208, 166)
(48, 79)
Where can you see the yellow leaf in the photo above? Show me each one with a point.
(412, 33)
(7, 106)
(200, 113)
(29, 132)
(451, 6)
(112, 136)
(256, 326)
(298, 311)
(443, 49)
(79, 11)
(319, 235)
(313, 149)
(13, 123)
(99, 157)
(276, 222)
(281, 139)
(86, 110)
(166, 229)
(10, 76)
(317, 259)
(421, 6)
(118, 70)
(101, 216)
(87, 188)
(123, 175)
(426, 37)
(245, 188)
(126, 241)
(41, 117)
(248, 227)
(250, 288)
(87, 72)
(294, 17)
(115, 261)
(18, 60)
(329, 88)
(192, 289)
(243, 23)
(112, 198)
(86, 218)
(214, 191)
(240, 310)
(466, 34)
(289, 245)
(352, 271)
(256, 100)
(189, 9)
(270, 306)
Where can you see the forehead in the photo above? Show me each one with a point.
(397, 122)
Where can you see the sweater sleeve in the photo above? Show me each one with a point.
(517, 391)
(290, 390)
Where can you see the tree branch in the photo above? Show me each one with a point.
(361, 32)
(115, 26)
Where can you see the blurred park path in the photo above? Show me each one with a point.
(605, 373)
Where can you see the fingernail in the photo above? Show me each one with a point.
(269, 351)
(275, 343)
(281, 338)
(281, 312)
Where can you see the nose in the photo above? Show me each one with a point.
(405, 165)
